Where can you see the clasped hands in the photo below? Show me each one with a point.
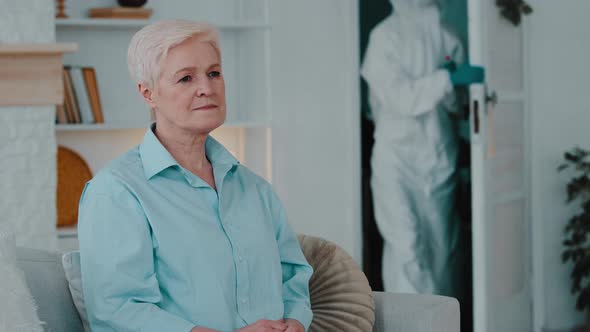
(265, 325)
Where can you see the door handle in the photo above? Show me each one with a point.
(476, 116)
(479, 98)
(492, 98)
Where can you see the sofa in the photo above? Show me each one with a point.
(46, 279)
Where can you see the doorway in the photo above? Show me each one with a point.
(454, 14)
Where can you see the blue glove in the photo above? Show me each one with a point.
(467, 74)
(450, 65)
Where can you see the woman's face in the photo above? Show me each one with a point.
(189, 94)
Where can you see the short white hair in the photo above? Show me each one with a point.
(150, 45)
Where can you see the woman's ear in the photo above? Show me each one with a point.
(147, 94)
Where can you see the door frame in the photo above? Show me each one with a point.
(536, 231)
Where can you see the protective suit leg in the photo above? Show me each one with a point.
(420, 230)
(395, 208)
(441, 226)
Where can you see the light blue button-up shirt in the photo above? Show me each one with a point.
(163, 251)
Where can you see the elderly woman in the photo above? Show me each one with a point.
(176, 234)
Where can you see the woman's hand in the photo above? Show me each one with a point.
(293, 325)
(266, 325)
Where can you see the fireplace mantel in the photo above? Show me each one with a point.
(31, 74)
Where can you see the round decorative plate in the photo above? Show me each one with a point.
(72, 175)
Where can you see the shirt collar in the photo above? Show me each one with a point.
(156, 158)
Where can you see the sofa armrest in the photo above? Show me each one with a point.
(415, 313)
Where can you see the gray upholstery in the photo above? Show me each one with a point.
(47, 281)
(394, 312)
(411, 312)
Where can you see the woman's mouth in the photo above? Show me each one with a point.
(205, 107)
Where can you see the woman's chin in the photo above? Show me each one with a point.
(207, 123)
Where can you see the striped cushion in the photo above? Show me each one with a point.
(341, 298)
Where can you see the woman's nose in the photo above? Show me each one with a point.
(203, 87)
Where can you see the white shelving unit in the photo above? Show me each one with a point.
(244, 36)
(128, 23)
(104, 126)
(103, 45)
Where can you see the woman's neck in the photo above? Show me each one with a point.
(187, 148)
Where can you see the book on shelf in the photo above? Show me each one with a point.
(63, 118)
(84, 109)
(120, 13)
(69, 99)
(93, 96)
(60, 114)
(81, 97)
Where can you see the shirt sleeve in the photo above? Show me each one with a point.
(393, 86)
(121, 290)
(296, 270)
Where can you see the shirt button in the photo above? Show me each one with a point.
(240, 258)
(244, 301)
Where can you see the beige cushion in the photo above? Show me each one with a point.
(341, 298)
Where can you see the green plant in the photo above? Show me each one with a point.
(577, 248)
(512, 10)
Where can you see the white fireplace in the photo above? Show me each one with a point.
(30, 86)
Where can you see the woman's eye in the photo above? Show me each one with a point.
(185, 79)
(214, 74)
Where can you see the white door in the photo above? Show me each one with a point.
(500, 164)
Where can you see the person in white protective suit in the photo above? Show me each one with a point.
(410, 79)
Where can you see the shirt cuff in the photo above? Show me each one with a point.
(299, 311)
(182, 326)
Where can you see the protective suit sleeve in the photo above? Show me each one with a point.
(454, 49)
(392, 85)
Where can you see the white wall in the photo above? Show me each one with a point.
(559, 48)
(316, 117)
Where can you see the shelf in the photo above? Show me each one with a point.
(137, 23)
(105, 127)
(89, 22)
(67, 232)
(96, 127)
(242, 25)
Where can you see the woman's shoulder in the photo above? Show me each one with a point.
(249, 175)
(250, 178)
(118, 173)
